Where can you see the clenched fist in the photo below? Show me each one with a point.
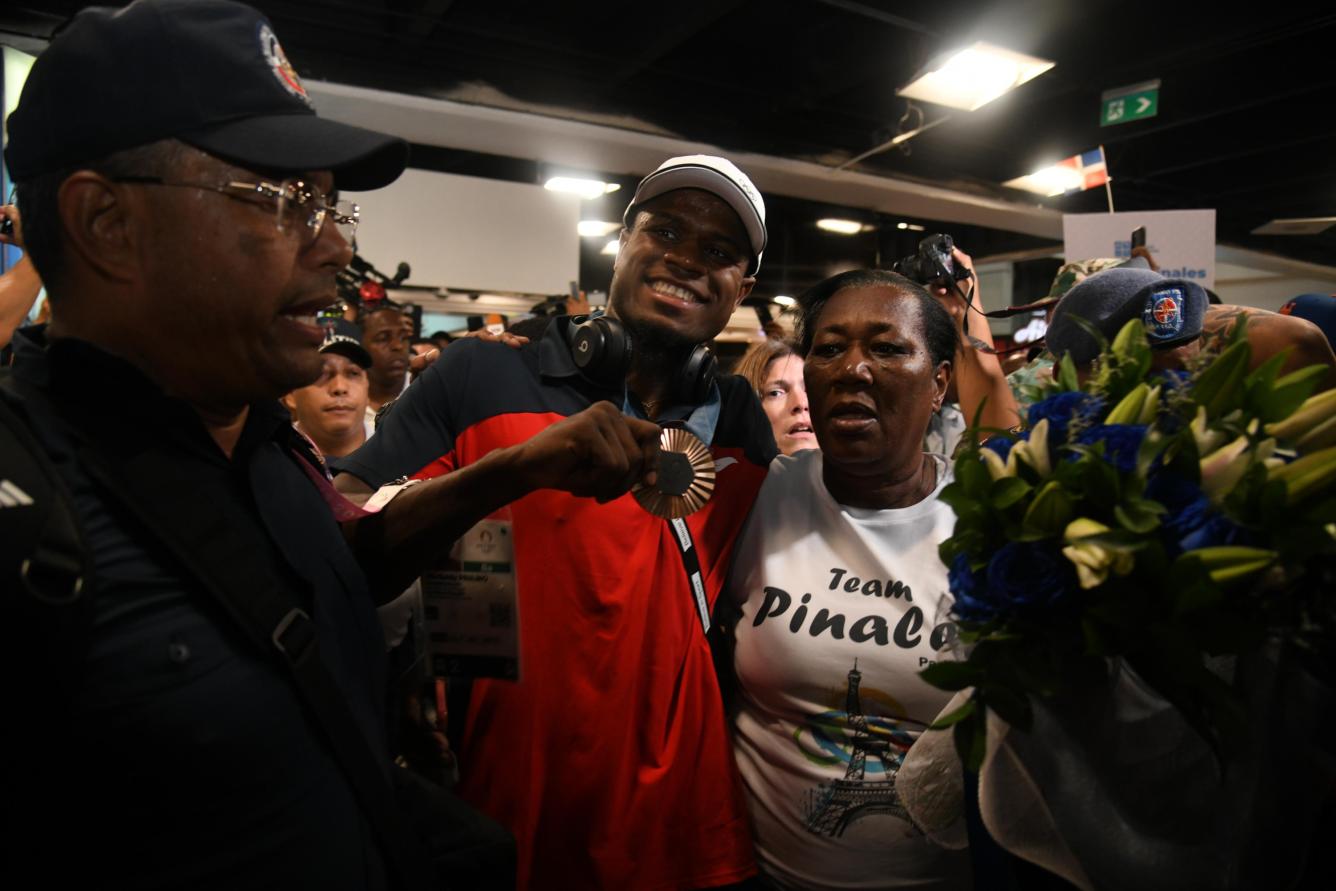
(599, 453)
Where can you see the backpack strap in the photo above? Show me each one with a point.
(45, 562)
(42, 548)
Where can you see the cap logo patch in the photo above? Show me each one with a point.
(283, 71)
(1163, 314)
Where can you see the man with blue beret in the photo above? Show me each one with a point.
(1172, 309)
(1180, 320)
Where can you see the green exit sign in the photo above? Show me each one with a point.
(1133, 103)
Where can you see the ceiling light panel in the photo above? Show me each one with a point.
(973, 77)
(840, 227)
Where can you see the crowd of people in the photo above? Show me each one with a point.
(214, 673)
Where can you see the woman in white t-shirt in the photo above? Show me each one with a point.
(843, 598)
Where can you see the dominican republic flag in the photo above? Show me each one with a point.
(1089, 168)
(1075, 174)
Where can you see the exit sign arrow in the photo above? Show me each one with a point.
(1131, 103)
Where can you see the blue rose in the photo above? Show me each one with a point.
(967, 586)
(1002, 445)
(1060, 410)
(1019, 576)
(1218, 529)
(1190, 520)
(1121, 443)
(1186, 506)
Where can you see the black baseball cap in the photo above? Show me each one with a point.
(210, 73)
(345, 338)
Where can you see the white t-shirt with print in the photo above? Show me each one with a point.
(841, 608)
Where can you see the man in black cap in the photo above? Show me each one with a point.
(608, 757)
(332, 410)
(195, 679)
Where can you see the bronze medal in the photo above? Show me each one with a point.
(686, 476)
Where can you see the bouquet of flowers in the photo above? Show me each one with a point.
(1166, 520)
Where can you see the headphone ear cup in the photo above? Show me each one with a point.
(698, 375)
(601, 349)
(616, 347)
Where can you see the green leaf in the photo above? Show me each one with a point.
(1153, 445)
(1011, 706)
(971, 740)
(1290, 391)
(955, 715)
(1190, 586)
(1218, 386)
(1007, 491)
(1098, 479)
(1050, 512)
(1130, 343)
(951, 675)
(1097, 640)
(1196, 597)
(1065, 374)
(1139, 515)
(973, 477)
(1260, 382)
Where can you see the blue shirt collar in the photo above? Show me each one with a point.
(701, 420)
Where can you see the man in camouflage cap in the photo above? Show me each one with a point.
(1026, 380)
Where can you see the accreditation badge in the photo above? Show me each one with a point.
(471, 605)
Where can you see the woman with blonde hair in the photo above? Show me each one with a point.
(775, 371)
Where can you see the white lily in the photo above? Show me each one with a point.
(997, 469)
(1208, 440)
(1035, 451)
(1093, 561)
(1151, 407)
(1222, 469)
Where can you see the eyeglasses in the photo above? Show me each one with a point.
(300, 208)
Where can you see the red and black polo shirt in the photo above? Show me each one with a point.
(609, 759)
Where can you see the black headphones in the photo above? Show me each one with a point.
(601, 349)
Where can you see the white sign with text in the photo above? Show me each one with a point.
(1181, 241)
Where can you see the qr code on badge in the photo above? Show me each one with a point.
(498, 615)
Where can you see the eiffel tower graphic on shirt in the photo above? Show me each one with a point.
(835, 804)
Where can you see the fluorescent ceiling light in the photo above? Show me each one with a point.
(611, 247)
(843, 227)
(1296, 226)
(585, 188)
(974, 76)
(596, 228)
(915, 227)
(1049, 181)
(784, 300)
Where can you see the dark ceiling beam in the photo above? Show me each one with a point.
(1322, 177)
(1208, 160)
(877, 15)
(848, 73)
(430, 12)
(671, 34)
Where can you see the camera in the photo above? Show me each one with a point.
(932, 262)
